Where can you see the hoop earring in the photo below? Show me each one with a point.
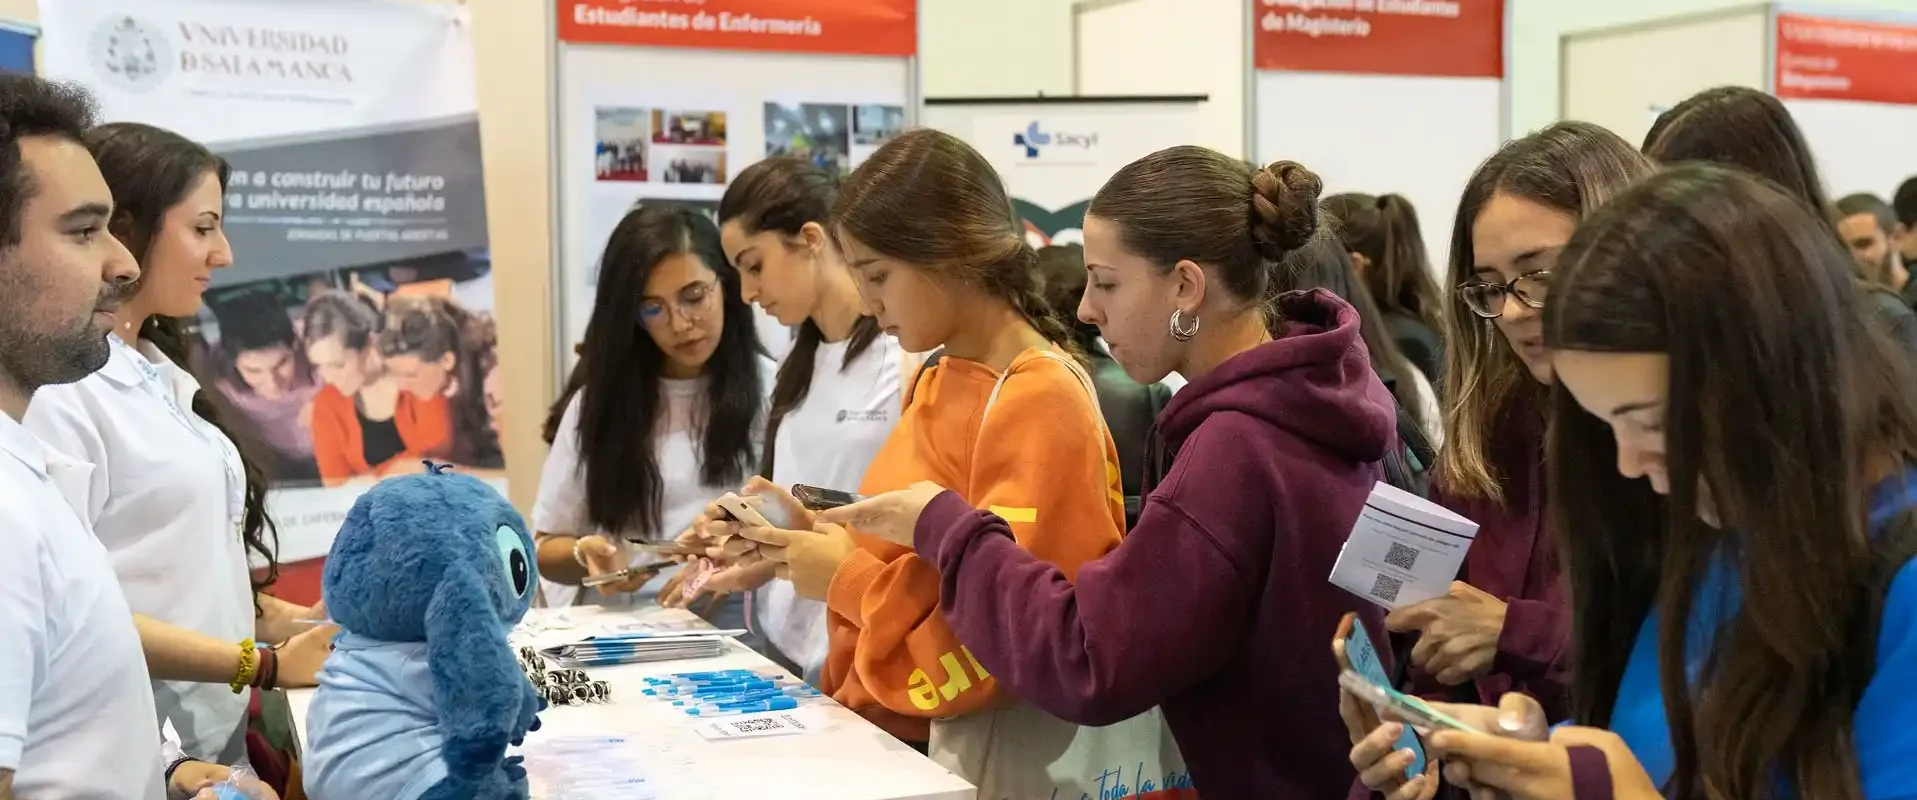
(1183, 334)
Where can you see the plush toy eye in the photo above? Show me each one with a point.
(512, 552)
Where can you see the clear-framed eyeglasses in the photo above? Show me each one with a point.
(693, 303)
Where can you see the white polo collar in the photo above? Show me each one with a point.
(21, 444)
(122, 369)
(129, 365)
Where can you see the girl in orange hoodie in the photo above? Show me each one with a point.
(943, 264)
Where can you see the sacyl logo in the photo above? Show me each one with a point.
(1035, 139)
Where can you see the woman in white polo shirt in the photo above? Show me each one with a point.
(178, 507)
(836, 397)
(664, 411)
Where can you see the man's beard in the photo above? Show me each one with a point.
(36, 358)
(32, 356)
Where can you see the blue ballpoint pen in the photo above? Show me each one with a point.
(762, 694)
(774, 704)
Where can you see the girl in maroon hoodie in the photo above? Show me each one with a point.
(1504, 625)
(1216, 605)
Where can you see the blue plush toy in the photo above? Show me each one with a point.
(422, 693)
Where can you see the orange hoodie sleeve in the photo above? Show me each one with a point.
(1043, 461)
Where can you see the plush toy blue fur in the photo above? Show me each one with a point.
(423, 694)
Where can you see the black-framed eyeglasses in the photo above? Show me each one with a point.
(692, 304)
(1486, 298)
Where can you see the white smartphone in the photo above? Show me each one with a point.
(1415, 712)
(742, 510)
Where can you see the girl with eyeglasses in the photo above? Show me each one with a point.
(664, 411)
(1732, 453)
(1503, 626)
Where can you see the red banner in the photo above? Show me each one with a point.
(1450, 38)
(1839, 59)
(854, 27)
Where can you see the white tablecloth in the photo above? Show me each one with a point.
(849, 759)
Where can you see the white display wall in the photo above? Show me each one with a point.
(1846, 76)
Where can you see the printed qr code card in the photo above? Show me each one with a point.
(1403, 549)
(752, 726)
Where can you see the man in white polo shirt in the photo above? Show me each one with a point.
(76, 708)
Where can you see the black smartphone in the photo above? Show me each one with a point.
(817, 499)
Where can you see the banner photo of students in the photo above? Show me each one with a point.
(355, 329)
(1054, 154)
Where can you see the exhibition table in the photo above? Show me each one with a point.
(843, 757)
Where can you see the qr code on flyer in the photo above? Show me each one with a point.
(1403, 557)
(1385, 588)
(760, 725)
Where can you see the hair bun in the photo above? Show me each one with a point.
(1284, 205)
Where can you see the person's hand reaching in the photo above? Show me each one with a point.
(892, 516)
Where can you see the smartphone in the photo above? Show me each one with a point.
(615, 577)
(1360, 656)
(817, 499)
(740, 510)
(1414, 711)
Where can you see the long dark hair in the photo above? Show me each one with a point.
(1782, 397)
(928, 199)
(1573, 167)
(1385, 231)
(783, 194)
(431, 327)
(620, 404)
(1323, 262)
(151, 170)
(1741, 127)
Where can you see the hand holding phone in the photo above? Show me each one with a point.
(1413, 711)
(738, 509)
(1356, 653)
(817, 499)
(647, 571)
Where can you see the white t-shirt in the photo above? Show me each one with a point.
(76, 709)
(561, 503)
(166, 496)
(827, 442)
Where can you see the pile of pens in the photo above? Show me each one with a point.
(728, 692)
